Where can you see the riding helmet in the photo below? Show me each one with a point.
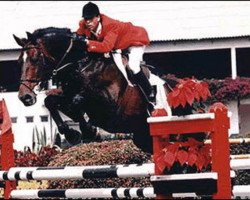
(90, 10)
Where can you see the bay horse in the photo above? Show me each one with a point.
(90, 83)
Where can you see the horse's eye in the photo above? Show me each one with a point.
(34, 55)
(34, 59)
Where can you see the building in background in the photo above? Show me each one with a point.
(194, 38)
(29, 123)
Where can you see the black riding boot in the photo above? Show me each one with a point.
(142, 81)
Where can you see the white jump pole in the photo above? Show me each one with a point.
(233, 140)
(148, 192)
(79, 172)
(240, 164)
(241, 191)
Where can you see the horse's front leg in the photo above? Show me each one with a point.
(89, 132)
(58, 102)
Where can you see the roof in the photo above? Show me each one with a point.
(164, 20)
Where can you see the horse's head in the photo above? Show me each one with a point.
(33, 59)
(41, 53)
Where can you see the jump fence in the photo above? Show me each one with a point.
(216, 183)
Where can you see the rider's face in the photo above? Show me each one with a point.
(92, 24)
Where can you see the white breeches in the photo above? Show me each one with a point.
(118, 61)
(135, 58)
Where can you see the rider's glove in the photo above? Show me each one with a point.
(77, 100)
(77, 37)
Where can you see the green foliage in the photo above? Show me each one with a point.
(39, 139)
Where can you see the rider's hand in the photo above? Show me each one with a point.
(77, 100)
(77, 37)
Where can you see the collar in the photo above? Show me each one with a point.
(98, 30)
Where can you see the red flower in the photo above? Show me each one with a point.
(187, 91)
(191, 152)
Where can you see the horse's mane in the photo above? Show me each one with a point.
(51, 31)
(56, 40)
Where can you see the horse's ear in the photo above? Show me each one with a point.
(21, 42)
(30, 36)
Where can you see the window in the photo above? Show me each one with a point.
(243, 62)
(13, 68)
(200, 64)
(13, 119)
(29, 119)
(44, 118)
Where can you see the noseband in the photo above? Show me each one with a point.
(22, 83)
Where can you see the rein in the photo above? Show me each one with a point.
(56, 70)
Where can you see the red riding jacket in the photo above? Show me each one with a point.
(114, 35)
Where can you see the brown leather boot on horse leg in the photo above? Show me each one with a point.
(148, 91)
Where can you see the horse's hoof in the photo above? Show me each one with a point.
(90, 137)
(73, 137)
(63, 128)
(90, 134)
(86, 138)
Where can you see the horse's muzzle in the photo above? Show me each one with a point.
(28, 100)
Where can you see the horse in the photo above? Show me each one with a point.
(90, 84)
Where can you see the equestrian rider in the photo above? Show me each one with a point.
(105, 34)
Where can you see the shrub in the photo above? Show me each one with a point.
(104, 153)
(229, 89)
(28, 159)
(223, 90)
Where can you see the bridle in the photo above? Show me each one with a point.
(30, 89)
(45, 55)
(22, 81)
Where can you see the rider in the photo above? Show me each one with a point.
(105, 34)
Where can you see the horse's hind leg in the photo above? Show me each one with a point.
(143, 141)
(142, 138)
(53, 102)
